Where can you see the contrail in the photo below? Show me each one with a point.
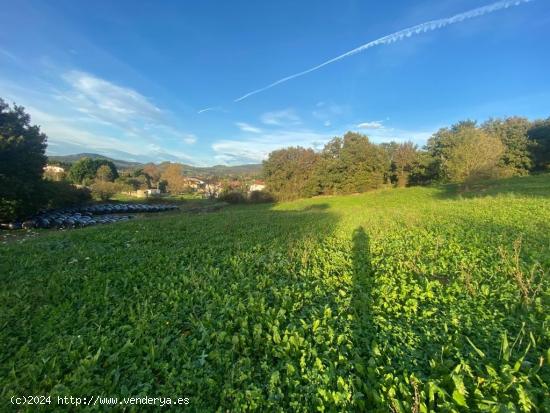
(208, 109)
(400, 35)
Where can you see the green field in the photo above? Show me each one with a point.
(416, 299)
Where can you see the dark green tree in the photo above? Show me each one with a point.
(366, 164)
(539, 135)
(22, 161)
(351, 164)
(404, 158)
(288, 172)
(512, 132)
(84, 170)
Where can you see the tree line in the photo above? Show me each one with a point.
(462, 153)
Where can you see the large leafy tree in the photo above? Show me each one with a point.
(404, 159)
(465, 152)
(366, 164)
(351, 164)
(22, 161)
(104, 174)
(512, 132)
(539, 135)
(288, 172)
(84, 170)
(175, 181)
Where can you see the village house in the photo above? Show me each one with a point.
(257, 186)
(54, 169)
(194, 183)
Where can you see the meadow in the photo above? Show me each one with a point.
(416, 299)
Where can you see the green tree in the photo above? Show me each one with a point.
(104, 174)
(366, 164)
(475, 155)
(22, 160)
(539, 135)
(351, 164)
(288, 172)
(512, 132)
(404, 159)
(464, 152)
(85, 169)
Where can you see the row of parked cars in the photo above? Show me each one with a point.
(86, 215)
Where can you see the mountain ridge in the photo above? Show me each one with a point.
(245, 169)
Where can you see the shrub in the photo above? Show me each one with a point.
(46, 194)
(105, 190)
(62, 194)
(259, 197)
(233, 197)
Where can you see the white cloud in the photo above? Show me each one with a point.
(245, 127)
(375, 124)
(190, 139)
(107, 101)
(329, 112)
(281, 118)
(253, 150)
(385, 134)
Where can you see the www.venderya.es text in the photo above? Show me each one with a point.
(99, 401)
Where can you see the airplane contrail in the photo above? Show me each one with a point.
(397, 36)
(208, 109)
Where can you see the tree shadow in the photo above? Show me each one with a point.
(532, 186)
(316, 207)
(363, 326)
(471, 302)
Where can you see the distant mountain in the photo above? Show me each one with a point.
(205, 171)
(73, 158)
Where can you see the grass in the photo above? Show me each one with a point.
(417, 299)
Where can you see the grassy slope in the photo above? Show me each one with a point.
(342, 302)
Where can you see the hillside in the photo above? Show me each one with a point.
(415, 299)
(216, 170)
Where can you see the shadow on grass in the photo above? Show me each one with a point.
(526, 186)
(363, 327)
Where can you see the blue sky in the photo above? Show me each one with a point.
(131, 79)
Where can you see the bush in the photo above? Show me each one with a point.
(63, 194)
(233, 197)
(46, 194)
(105, 190)
(260, 197)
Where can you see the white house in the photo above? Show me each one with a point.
(256, 187)
(153, 192)
(54, 168)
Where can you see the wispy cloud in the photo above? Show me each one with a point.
(281, 117)
(256, 149)
(398, 36)
(107, 101)
(190, 139)
(87, 113)
(245, 127)
(381, 133)
(375, 124)
(10, 56)
(213, 108)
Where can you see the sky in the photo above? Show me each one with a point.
(219, 82)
